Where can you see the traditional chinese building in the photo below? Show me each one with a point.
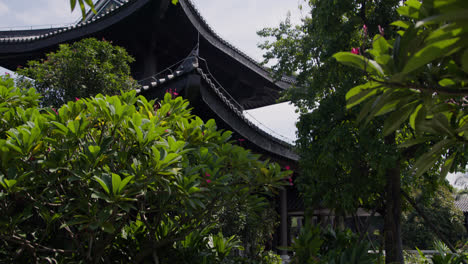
(176, 48)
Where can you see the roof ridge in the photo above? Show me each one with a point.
(237, 111)
(286, 79)
(192, 5)
(53, 32)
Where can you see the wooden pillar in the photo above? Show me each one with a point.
(284, 223)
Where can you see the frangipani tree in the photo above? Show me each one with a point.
(419, 80)
(109, 179)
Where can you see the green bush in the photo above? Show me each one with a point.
(110, 180)
(316, 245)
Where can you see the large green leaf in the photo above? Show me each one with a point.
(124, 183)
(455, 15)
(116, 180)
(360, 93)
(414, 115)
(427, 161)
(430, 53)
(72, 4)
(102, 183)
(359, 62)
(410, 9)
(401, 23)
(380, 44)
(396, 119)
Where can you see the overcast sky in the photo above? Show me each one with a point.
(237, 21)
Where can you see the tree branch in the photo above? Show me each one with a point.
(35, 246)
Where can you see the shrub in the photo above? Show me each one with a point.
(110, 180)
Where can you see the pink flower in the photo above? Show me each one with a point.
(355, 51)
(7, 74)
(207, 174)
(55, 111)
(364, 28)
(208, 181)
(167, 131)
(77, 99)
(291, 181)
(241, 140)
(381, 30)
(287, 167)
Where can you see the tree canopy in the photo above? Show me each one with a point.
(347, 164)
(419, 78)
(82, 69)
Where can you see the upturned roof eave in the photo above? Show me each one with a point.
(31, 41)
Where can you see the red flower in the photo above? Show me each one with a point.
(173, 93)
(208, 181)
(207, 174)
(355, 51)
(287, 167)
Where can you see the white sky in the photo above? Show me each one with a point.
(237, 21)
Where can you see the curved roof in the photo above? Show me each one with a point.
(216, 40)
(30, 40)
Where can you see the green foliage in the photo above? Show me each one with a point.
(82, 69)
(325, 245)
(109, 179)
(346, 166)
(306, 246)
(439, 208)
(342, 167)
(82, 4)
(419, 78)
(444, 255)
